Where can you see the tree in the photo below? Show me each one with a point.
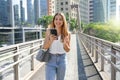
(73, 24)
(103, 31)
(45, 20)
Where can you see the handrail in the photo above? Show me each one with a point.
(98, 49)
(17, 50)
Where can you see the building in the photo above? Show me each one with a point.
(30, 13)
(43, 8)
(36, 10)
(98, 11)
(114, 10)
(40, 9)
(64, 6)
(51, 7)
(84, 11)
(6, 13)
(3, 13)
(16, 15)
(90, 11)
(22, 12)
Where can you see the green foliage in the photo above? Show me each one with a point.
(73, 24)
(45, 21)
(104, 31)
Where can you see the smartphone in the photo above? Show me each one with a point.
(53, 31)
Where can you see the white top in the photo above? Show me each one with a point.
(57, 47)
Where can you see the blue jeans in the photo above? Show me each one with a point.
(56, 67)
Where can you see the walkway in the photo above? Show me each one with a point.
(72, 67)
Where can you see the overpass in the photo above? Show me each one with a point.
(90, 58)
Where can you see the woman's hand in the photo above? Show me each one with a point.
(52, 37)
(66, 43)
(48, 39)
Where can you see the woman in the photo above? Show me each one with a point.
(58, 46)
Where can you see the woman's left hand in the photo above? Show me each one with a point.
(66, 43)
(66, 40)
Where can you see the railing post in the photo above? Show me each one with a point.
(89, 45)
(113, 59)
(93, 50)
(102, 59)
(86, 43)
(32, 58)
(96, 53)
(16, 67)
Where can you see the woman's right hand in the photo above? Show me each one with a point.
(52, 37)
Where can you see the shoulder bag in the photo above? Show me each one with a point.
(43, 56)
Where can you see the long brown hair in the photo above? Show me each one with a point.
(64, 30)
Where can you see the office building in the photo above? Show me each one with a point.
(114, 10)
(36, 10)
(64, 6)
(30, 15)
(84, 11)
(22, 12)
(51, 7)
(90, 11)
(43, 8)
(16, 15)
(6, 13)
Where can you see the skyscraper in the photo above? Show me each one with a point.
(16, 15)
(90, 10)
(29, 12)
(84, 11)
(22, 12)
(6, 13)
(3, 13)
(51, 7)
(114, 9)
(36, 10)
(64, 6)
(43, 8)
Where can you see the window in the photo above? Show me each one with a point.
(66, 8)
(61, 3)
(67, 13)
(66, 3)
(61, 9)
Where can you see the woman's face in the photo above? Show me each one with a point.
(58, 21)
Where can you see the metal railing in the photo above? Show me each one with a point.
(19, 60)
(104, 54)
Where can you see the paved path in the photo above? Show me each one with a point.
(72, 67)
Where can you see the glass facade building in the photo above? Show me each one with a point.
(99, 10)
(30, 13)
(44, 8)
(16, 15)
(22, 12)
(84, 11)
(36, 10)
(5, 13)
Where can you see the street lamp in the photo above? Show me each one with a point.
(78, 15)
